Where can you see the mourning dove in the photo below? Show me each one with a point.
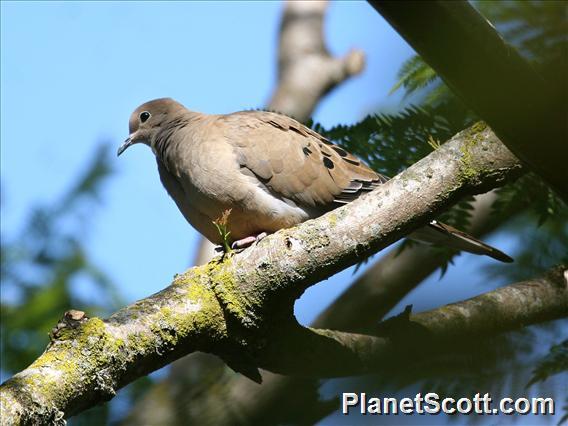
(269, 170)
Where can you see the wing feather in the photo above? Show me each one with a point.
(296, 163)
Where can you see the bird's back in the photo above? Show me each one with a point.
(295, 163)
(270, 170)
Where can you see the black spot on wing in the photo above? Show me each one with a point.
(328, 163)
(340, 151)
(355, 162)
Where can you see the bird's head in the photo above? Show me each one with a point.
(146, 120)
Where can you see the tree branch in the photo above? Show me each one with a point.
(306, 70)
(306, 73)
(448, 330)
(359, 308)
(235, 307)
(336, 353)
(487, 73)
(390, 278)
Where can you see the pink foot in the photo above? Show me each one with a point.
(248, 241)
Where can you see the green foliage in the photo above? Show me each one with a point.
(530, 190)
(538, 29)
(528, 208)
(555, 362)
(542, 230)
(415, 75)
(539, 248)
(42, 264)
(390, 143)
(223, 229)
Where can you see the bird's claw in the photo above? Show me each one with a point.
(247, 241)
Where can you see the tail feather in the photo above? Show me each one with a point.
(442, 234)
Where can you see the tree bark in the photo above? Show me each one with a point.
(373, 294)
(525, 110)
(391, 278)
(284, 399)
(240, 307)
(306, 71)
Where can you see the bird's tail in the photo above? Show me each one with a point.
(441, 234)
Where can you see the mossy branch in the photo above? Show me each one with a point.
(409, 339)
(238, 307)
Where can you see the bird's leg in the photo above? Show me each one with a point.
(241, 244)
(247, 241)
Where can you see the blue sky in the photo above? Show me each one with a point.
(72, 72)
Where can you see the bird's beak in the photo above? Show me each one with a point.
(124, 145)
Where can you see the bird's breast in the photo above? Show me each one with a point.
(212, 182)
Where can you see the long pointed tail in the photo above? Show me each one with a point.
(442, 234)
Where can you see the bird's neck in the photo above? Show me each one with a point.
(164, 140)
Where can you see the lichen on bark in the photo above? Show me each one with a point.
(241, 307)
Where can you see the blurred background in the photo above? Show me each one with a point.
(82, 229)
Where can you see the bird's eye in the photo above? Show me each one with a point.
(144, 116)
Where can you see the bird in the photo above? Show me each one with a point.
(267, 170)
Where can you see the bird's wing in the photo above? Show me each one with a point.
(295, 163)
